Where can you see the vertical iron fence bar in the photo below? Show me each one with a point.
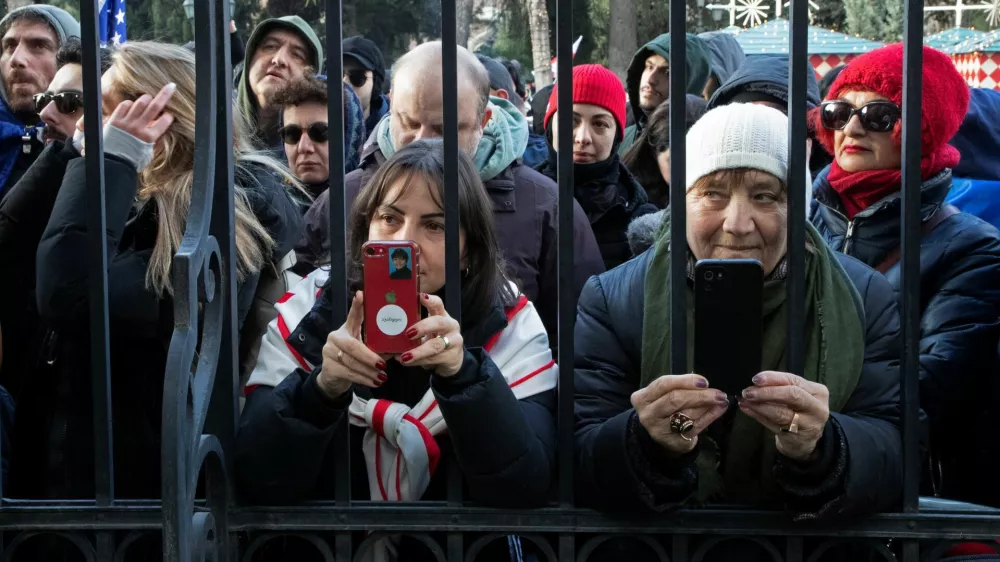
(564, 253)
(338, 241)
(100, 353)
(797, 68)
(223, 414)
(453, 273)
(677, 71)
(910, 265)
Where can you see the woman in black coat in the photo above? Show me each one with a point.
(825, 445)
(149, 162)
(858, 212)
(603, 186)
(490, 382)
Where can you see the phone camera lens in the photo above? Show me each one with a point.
(719, 276)
(709, 275)
(370, 251)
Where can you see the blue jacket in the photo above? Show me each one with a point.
(537, 152)
(959, 323)
(976, 184)
(767, 74)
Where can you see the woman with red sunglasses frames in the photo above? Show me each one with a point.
(858, 211)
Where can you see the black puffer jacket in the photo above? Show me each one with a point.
(959, 325)
(53, 433)
(611, 201)
(285, 451)
(617, 464)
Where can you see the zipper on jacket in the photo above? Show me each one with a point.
(847, 238)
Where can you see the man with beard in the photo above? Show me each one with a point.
(494, 133)
(31, 36)
(61, 106)
(279, 51)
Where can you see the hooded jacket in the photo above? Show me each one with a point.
(699, 66)
(726, 52)
(765, 74)
(246, 100)
(375, 114)
(975, 186)
(19, 141)
(959, 326)
(525, 205)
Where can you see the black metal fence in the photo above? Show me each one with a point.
(200, 407)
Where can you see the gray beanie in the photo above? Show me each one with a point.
(60, 20)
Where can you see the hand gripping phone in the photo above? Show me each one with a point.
(728, 325)
(392, 287)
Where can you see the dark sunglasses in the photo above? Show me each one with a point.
(357, 78)
(291, 134)
(66, 102)
(876, 116)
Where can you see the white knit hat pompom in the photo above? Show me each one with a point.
(739, 135)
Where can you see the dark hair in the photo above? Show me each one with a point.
(71, 52)
(828, 79)
(308, 89)
(640, 158)
(487, 285)
(399, 253)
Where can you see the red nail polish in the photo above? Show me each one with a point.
(406, 357)
(411, 333)
(383, 377)
(380, 365)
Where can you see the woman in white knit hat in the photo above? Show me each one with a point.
(823, 445)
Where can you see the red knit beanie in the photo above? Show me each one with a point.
(595, 85)
(945, 93)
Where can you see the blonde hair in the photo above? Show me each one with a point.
(144, 67)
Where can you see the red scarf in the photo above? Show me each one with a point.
(860, 190)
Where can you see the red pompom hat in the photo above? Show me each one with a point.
(595, 85)
(945, 103)
(945, 93)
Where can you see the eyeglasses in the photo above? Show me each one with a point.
(291, 134)
(876, 116)
(357, 78)
(66, 102)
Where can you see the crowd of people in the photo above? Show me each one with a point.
(824, 445)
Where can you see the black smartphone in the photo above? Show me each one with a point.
(728, 327)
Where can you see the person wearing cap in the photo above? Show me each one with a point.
(602, 185)
(364, 70)
(647, 79)
(649, 439)
(279, 51)
(858, 212)
(31, 37)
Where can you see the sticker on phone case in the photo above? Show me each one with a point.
(391, 318)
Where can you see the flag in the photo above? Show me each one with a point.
(112, 20)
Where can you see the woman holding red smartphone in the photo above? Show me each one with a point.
(483, 391)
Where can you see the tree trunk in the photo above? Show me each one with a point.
(622, 40)
(464, 10)
(541, 54)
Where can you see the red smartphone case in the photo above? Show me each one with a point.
(392, 288)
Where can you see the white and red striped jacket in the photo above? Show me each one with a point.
(399, 445)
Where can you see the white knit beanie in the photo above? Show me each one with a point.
(739, 135)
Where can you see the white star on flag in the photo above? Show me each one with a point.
(116, 39)
(120, 16)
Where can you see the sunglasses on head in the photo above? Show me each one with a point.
(291, 134)
(357, 78)
(66, 102)
(876, 116)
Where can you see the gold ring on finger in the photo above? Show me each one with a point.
(444, 340)
(793, 427)
(340, 356)
(681, 424)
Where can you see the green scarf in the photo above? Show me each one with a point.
(834, 355)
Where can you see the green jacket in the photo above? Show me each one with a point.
(246, 100)
(699, 67)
